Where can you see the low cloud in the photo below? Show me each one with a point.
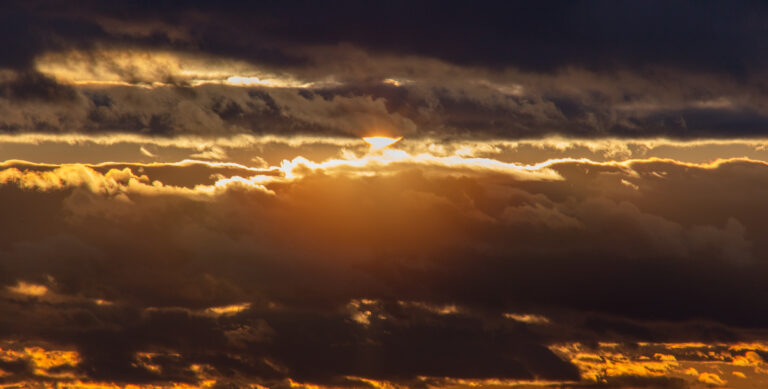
(258, 282)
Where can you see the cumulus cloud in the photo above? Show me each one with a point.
(258, 284)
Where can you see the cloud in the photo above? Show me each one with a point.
(576, 200)
(258, 284)
(109, 75)
(498, 33)
(660, 364)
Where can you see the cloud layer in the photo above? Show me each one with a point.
(322, 273)
(577, 198)
(500, 71)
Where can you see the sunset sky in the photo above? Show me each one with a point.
(402, 194)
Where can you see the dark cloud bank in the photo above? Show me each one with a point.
(352, 276)
(497, 69)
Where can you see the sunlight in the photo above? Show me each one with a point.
(380, 142)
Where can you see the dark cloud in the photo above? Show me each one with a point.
(541, 37)
(36, 103)
(350, 276)
(37, 87)
(509, 70)
(26, 33)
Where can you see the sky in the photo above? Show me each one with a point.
(346, 194)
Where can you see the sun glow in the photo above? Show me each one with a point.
(380, 142)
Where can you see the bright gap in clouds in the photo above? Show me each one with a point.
(380, 142)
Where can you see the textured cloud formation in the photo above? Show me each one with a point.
(323, 273)
(577, 199)
(498, 70)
